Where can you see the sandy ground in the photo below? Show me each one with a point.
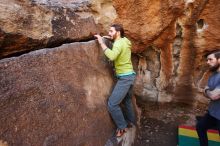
(159, 122)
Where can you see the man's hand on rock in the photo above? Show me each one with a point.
(100, 40)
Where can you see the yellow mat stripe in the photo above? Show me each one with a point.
(193, 133)
(188, 132)
(214, 137)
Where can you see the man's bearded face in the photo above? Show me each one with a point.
(212, 61)
(112, 33)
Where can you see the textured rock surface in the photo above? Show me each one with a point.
(180, 32)
(146, 20)
(103, 12)
(28, 25)
(56, 97)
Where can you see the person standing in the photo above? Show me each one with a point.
(212, 91)
(122, 92)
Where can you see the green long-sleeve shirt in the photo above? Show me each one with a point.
(121, 55)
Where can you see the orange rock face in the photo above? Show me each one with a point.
(145, 21)
(180, 33)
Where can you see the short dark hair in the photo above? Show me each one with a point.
(215, 52)
(119, 27)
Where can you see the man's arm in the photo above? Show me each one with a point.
(111, 54)
(214, 94)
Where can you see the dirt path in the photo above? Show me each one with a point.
(159, 122)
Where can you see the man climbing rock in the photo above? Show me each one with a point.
(121, 55)
(212, 118)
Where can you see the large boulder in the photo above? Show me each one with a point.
(29, 25)
(56, 97)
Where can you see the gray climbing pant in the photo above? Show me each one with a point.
(122, 93)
